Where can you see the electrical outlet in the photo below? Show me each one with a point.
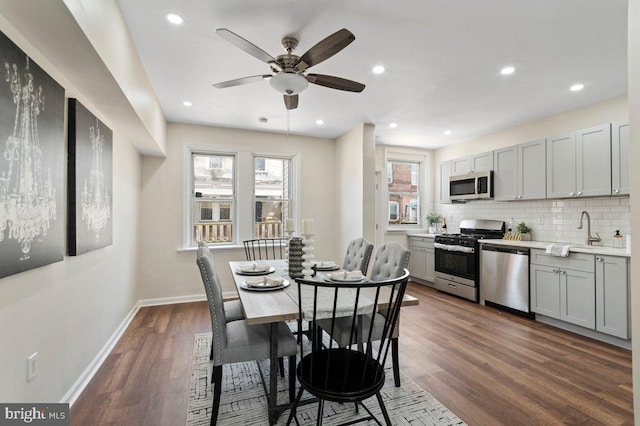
(32, 366)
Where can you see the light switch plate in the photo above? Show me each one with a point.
(32, 366)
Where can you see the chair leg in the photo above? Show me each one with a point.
(383, 409)
(396, 362)
(320, 411)
(281, 366)
(294, 407)
(211, 354)
(217, 391)
(292, 378)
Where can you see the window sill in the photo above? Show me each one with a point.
(404, 229)
(214, 248)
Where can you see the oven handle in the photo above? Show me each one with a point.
(447, 247)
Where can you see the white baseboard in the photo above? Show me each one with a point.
(76, 389)
(81, 383)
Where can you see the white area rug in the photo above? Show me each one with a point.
(244, 403)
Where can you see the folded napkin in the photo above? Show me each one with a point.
(264, 281)
(558, 250)
(254, 267)
(346, 275)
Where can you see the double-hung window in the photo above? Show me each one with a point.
(403, 188)
(213, 197)
(271, 196)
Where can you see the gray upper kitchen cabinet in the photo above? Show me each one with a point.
(579, 163)
(620, 157)
(520, 172)
(561, 166)
(593, 161)
(445, 172)
(612, 296)
(473, 163)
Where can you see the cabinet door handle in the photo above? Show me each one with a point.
(599, 259)
(555, 271)
(571, 194)
(579, 193)
(615, 191)
(563, 272)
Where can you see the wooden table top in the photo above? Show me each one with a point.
(261, 307)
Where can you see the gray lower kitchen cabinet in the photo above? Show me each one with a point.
(520, 172)
(421, 260)
(620, 157)
(564, 288)
(612, 295)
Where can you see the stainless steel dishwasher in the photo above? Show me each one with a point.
(504, 277)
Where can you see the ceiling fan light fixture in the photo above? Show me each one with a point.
(289, 83)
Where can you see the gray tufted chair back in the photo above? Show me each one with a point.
(358, 255)
(214, 297)
(389, 262)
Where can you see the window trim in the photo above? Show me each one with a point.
(424, 159)
(243, 191)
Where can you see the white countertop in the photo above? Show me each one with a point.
(576, 248)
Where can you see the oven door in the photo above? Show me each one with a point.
(458, 261)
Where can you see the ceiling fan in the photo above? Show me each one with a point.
(290, 76)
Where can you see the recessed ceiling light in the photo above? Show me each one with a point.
(187, 103)
(393, 125)
(447, 132)
(577, 87)
(174, 18)
(378, 69)
(507, 70)
(319, 122)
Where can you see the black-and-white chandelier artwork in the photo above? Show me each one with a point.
(31, 164)
(90, 181)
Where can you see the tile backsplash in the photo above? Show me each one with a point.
(550, 220)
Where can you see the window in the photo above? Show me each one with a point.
(213, 198)
(404, 192)
(272, 196)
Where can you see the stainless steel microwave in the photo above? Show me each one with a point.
(472, 186)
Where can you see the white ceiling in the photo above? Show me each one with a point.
(443, 61)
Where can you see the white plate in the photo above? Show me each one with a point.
(248, 272)
(266, 287)
(326, 268)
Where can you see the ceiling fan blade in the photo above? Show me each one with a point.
(241, 81)
(325, 49)
(291, 102)
(335, 82)
(245, 45)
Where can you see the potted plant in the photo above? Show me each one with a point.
(433, 218)
(524, 230)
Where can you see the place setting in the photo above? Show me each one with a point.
(325, 265)
(255, 268)
(345, 276)
(264, 283)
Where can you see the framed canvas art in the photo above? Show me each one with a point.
(90, 181)
(31, 163)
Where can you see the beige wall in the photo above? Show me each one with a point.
(169, 272)
(634, 117)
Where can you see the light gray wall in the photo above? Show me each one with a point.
(169, 272)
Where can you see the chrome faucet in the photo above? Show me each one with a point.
(590, 239)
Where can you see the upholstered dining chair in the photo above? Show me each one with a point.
(265, 248)
(358, 255)
(337, 372)
(390, 261)
(236, 341)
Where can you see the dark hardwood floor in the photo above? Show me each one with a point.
(488, 366)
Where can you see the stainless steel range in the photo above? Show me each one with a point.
(457, 257)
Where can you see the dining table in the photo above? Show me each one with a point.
(271, 306)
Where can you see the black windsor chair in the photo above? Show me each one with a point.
(343, 374)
